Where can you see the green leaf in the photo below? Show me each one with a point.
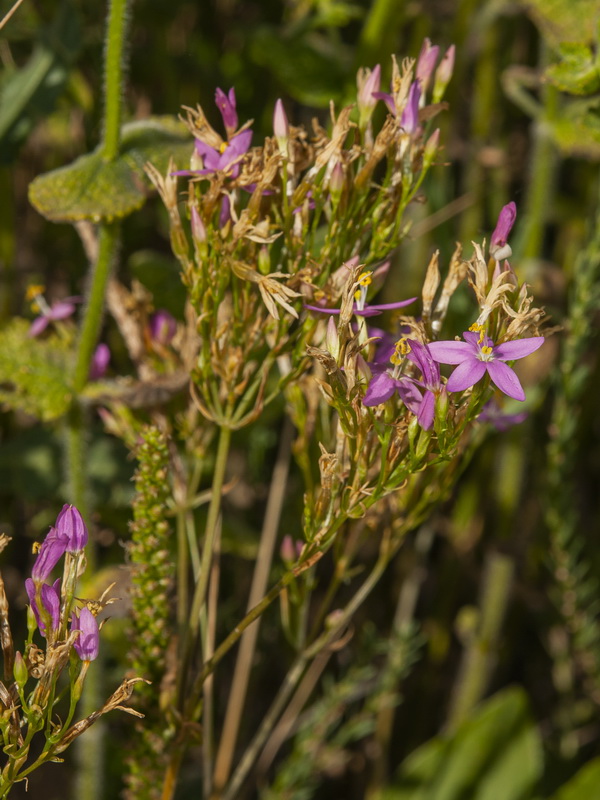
(577, 131)
(585, 784)
(495, 753)
(565, 20)
(577, 72)
(34, 372)
(31, 92)
(93, 189)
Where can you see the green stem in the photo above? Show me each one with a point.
(114, 75)
(479, 657)
(107, 246)
(245, 658)
(214, 511)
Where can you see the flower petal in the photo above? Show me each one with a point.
(381, 388)
(505, 379)
(519, 348)
(373, 310)
(450, 352)
(466, 375)
(427, 410)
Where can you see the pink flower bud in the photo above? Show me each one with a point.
(499, 247)
(87, 643)
(227, 106)
(281, 128)
(163, 327)
(368, 82)
(100, 361)
(426, 63)
(70, 524)
(52, 550)
(443, 74)
(198, 228)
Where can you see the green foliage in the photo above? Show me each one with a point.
(498, 746)
(585, 784)
(93, 189)
(34, 373)
(565, 20)
(578, 71)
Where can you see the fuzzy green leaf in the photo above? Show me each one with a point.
(577, 72)
(34, 372)
(94, 189)
(565, 20)
(577, 131)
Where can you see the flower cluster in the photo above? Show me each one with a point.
(409, 368)
(68, 538)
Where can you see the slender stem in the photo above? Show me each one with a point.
(323, 642)
(207, 651)
(182, 570)
(214, 509)
(107, 247)
(237, 695)
(114, 76)
(480, 655)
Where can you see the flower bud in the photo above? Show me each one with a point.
(100, 362)
(52, 550)
(336, 183)
(332, 340)
(20, 671)
(431, 148)
(499, 247)
(368, 82)
(198, 228)
(281, 128)
(442, 404)
(287, 550)
(163, 327)
(70, 523)
(227, 106)
(87, 643)
(426, 63)
(264, 261)
(443, 74)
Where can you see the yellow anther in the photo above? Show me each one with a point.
(222, 147)
(35, 548)
(486, 350)
(402, 347)
(33, 291)
(357, 294)
(480, 329)
(364, 279)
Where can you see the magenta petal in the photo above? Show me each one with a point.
(381, 388)
(38, 325)
(411, 396)
(239, 144)
(466, 375)
(387, 99)
(519, 348)
(371, 310)
(61, 310)
(505, 379)
(426, 411)
(450, 352)
(51, 602)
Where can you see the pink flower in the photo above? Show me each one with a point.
(57, 311)
(478, 355)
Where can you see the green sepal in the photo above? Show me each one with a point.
(93, 189)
